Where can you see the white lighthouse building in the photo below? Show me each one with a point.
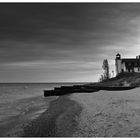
(127, 64)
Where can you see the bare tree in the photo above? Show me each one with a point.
(105, 67)
(112, 73)
(106, 74)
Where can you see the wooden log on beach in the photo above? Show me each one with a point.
(63, 90)
(48, 93)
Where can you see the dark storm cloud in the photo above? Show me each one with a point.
(30, 20)
(62, 36)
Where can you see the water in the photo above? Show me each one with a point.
(21, 103)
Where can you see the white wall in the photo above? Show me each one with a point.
(118, 65)
(136, 70)
(123, 67)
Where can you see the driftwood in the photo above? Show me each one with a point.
(63, 90)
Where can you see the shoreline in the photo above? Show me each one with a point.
(60, 120)
(98, 114)
(14, 126)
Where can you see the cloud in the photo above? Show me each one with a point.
(69, 39)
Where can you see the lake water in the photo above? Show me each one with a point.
(21, 103)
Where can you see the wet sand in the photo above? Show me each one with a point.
(60, 120)
(22, 113)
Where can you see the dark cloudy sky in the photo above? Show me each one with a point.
(65, 42)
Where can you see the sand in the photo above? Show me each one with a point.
(97, 114)
(109, 114)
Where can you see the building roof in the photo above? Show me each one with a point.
(118, 54)
(131, 60)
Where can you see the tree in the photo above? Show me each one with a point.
(101, 78)
(105, 67)
(105, 74)
(112, 73)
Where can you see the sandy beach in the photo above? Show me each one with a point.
(109, 114)
(98, 114)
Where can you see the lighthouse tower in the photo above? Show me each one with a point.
(118, 64)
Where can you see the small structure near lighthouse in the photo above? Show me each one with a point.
(127, 64)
